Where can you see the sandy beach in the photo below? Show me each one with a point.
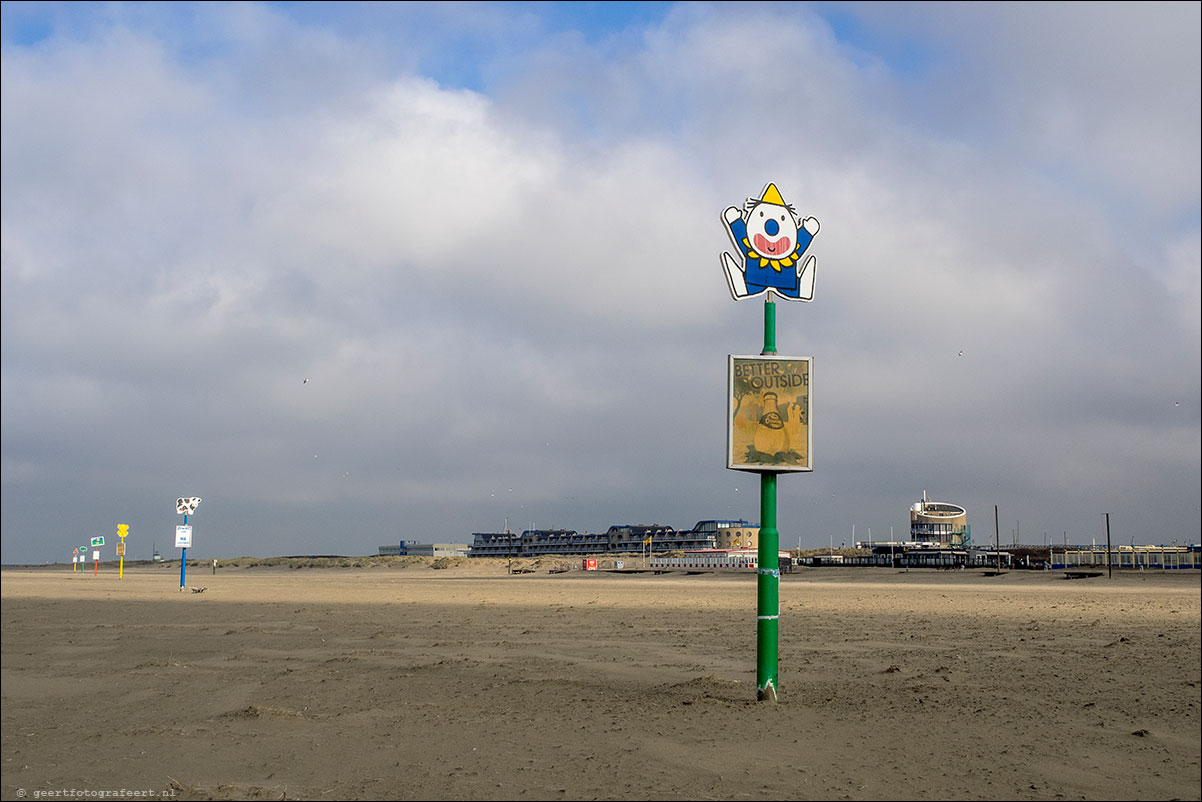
(469, 683)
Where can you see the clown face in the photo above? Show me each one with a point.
(771, 230)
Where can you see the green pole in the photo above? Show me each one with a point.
(769, 325)
(767, 632)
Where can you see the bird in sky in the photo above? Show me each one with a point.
(306, 381)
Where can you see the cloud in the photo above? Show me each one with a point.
(515, 283)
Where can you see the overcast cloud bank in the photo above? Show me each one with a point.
(503, 284)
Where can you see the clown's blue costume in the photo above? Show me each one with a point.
(762, 272)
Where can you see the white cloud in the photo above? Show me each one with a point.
(522, 288)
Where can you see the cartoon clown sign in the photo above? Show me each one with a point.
(771, 240)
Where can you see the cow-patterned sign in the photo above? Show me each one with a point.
(186, 506)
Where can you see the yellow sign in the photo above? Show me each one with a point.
(122, 530)
(768, 414)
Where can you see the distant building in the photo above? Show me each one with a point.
(712, 560)
(937, 522)
(730, 534)
(930, 555)
(496, 544)
(718, 560)
(636, 537)
(425, 549)
(561, 541)
(1137, 557)
(618, 539)
(439, 549)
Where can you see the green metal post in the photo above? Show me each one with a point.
(769, 325)
(767, 631)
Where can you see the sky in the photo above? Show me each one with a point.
(489, 237)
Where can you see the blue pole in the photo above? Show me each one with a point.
(183, 562)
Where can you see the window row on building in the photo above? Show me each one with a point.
(618, 539)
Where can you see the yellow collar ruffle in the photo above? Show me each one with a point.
(777, 264)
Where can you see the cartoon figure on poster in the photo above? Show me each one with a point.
(771, 239)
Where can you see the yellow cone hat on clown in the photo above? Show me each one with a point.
(772, 195)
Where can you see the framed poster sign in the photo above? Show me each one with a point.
(769, 413)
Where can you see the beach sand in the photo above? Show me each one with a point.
(469, 683)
